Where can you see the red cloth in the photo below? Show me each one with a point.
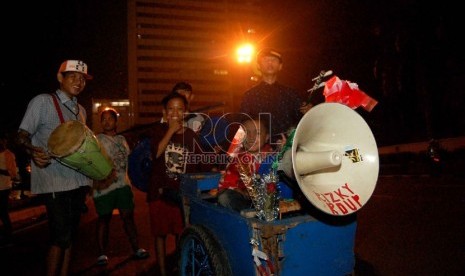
(347, 93)
(231, 178)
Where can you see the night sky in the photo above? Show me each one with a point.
(49, 32)
(406, 54)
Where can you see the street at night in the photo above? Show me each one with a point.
(405, 57)
(412, 225)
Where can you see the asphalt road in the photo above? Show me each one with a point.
(413, 225)
(26, 256)
(410, 226)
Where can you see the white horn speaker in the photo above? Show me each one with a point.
(334, 159)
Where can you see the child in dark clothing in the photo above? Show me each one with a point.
(171, 145)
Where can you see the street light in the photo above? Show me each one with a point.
(245, 53)
(244, 57)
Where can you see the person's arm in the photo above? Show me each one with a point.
(245, 103)
(113, 175)
(11, 167)
(305, 107)
(40, 157)
(313, 99)
(297, 102)
(230, 178)
(174, 126)
(105, 183)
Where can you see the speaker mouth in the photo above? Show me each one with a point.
(334, 159)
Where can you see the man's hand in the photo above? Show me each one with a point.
(105, 183)
(305, 107)
(40, 157)
(175, 125)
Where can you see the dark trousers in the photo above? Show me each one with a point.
(64, 213)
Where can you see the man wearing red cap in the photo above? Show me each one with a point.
(63, 189)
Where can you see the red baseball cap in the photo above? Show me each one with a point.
(75, 66)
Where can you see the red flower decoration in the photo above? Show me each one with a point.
(271, 187)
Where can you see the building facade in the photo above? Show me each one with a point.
(193, 41)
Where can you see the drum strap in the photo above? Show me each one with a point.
(57, 107)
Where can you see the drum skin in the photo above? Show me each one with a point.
(73, 144)
(66, 138)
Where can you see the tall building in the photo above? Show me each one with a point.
(187, 40)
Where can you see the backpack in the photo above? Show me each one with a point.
(140, 164)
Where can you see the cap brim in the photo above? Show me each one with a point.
(269, 55)
(86, 76)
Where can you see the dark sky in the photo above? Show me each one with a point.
(416, 47)
(44, 33)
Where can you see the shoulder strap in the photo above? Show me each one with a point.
(57, 107)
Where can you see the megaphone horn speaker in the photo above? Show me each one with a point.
(334, 159)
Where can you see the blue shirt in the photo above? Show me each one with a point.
(40, 120)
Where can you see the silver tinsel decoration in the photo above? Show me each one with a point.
(262, 190)
(267, 200)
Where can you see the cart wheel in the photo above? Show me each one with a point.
(201, 254)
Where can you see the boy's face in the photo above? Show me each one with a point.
(174, 110)
(108, 121)
(256, 135)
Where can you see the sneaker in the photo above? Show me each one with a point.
(102, 260)
(141, 254)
